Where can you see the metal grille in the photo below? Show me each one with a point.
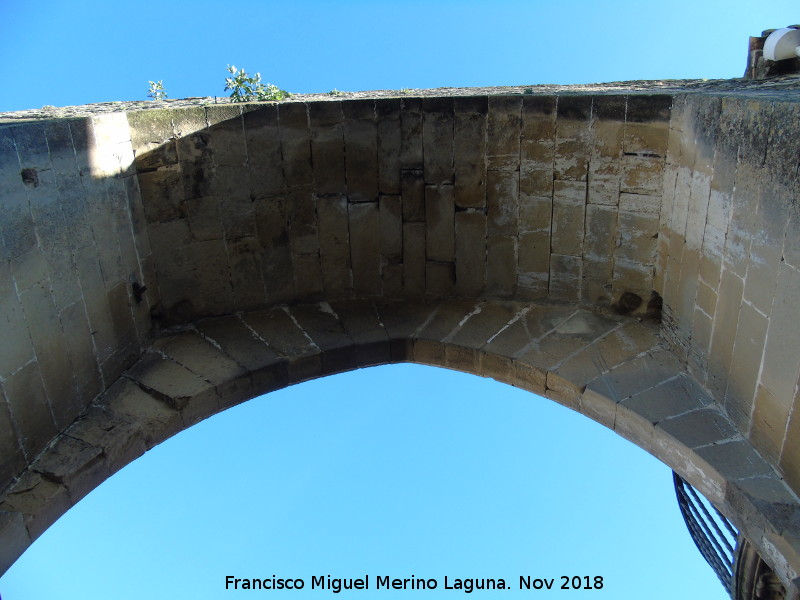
(711, 532)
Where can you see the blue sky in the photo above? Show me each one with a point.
(63, 53)
(389, 471)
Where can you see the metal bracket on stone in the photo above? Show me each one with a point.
(138, 291)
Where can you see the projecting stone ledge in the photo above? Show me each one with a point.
(778, 88)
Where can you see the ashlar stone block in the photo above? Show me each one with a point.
(413, 194)
(469, 140)
(365, 247)
(470, 252)
(307, 277)
(18, 348)
(437, 140)
(226, 135)
(15, 538)
(39, 501)
(446, 318)
(262, 137)
(727, 311)
(199, 356)
(75, 463)
(440, 221)
(621, 344)
(566, 273)
(391, 225)
(607, 127)
(647, 371)
(128, 402)
(642, 175)
(414, 258)
(483, 325)
(120, 439)
(746, 360)
(503, 135)
(280, 332)
(539, 117)
(361, 150)
(781, 365)
(598, 406)
(535, 213)
(440, 278)
(666, 400)
(503, 202)
(334, 243)
(569, 208)
(769, 421)
(411, 129)
(789, 462)
(534, 255)
(295, 144)
(387, 113)
(327, 147)
(573, 133)
(404, 320)
(172, 383)
(604, 182)
(734, 459)
(25, 394)
(501, 261)
(698, 428)
(646, 138)
(638, 233)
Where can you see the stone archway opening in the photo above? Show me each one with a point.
(540, 495)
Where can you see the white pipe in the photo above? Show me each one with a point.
(782, 44)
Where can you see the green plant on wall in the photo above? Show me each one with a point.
(247, 88)
(157, 90)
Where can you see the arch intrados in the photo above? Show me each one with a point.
(197, 370)
(525, 469)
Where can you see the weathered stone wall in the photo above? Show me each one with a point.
(73, 240)
(729, 262)
(519, 196)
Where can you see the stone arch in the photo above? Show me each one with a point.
(630, 381)
(526, 237)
